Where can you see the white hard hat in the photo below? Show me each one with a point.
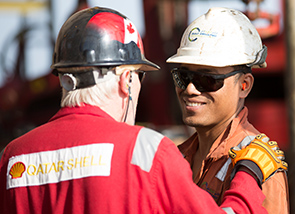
(221, 37)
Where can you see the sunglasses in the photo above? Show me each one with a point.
(203, 82)
(141, 75)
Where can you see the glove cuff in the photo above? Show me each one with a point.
(250, 165)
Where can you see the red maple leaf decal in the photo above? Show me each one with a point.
(130, 28)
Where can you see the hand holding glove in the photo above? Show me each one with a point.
(262, 157)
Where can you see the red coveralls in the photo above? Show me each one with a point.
(83, 161)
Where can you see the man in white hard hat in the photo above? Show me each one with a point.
(90, 158)
(215, 58)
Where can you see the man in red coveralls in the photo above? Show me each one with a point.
(90, 158)
(216, 55)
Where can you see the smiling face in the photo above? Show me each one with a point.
(209, 109)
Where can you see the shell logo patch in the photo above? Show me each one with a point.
(17, 170)
(55, 166)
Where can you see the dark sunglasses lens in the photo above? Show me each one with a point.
(203, 83)
(207, 84)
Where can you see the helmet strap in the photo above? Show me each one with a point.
(79, 80)
(260, 57)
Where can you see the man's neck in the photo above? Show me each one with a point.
(208, 135)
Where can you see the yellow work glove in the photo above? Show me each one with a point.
(262, 157)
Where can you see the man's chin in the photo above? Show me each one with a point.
(190, 122)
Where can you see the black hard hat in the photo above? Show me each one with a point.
(99, 37)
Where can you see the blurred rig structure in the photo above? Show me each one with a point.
(24, 103)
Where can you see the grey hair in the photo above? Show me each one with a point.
(96, 95)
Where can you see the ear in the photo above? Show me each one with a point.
(246, 83)
(124, 82)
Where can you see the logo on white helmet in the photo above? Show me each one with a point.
(193, 34)
(196, 32)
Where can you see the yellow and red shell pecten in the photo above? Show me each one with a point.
(17, 170)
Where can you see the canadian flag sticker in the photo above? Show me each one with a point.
(131, 33)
